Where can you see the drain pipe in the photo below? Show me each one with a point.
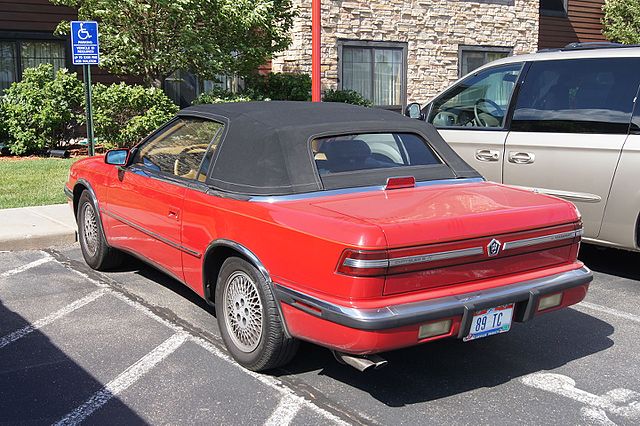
(361, 362)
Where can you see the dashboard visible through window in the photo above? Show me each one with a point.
(180, 149)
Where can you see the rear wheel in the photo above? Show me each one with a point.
(249, 319)
(95, 250)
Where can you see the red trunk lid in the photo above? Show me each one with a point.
(461, 218)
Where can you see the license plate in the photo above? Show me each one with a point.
(488, 322)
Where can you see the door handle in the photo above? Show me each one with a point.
(487, 155)
(174, 214)
(521, 157)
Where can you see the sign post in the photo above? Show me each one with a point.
(85, 51)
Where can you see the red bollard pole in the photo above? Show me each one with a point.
(316, 24)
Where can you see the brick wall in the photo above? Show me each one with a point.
(433, 29)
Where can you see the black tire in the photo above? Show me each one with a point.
(246, 292)
(94, 248)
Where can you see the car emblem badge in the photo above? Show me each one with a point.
(493, 248)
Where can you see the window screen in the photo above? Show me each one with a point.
(371, 151)
(8, 65)
(180, 149)
(578, 96)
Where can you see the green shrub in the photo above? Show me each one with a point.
(124, 114)
(43, 110)
(218, 96)
(621, 22)
(279, 86)
(347, 97)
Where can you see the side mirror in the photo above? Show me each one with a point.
(413, 111)
(117, 157)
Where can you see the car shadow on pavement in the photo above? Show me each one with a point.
(40, 383)
(449, 367)
(621, 263)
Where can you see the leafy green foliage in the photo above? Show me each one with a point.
(154, 38)
(347, 97)
(42, 110)
(218, 96)
(621, 22)
(123, 114)
(280, 86)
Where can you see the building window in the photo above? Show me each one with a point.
(376, 70)
(472, 57)
(554, 7)
(18, 55)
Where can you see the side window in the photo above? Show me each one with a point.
(480, 100)
(180, 149)
(578, 96)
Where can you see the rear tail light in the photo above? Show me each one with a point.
(548, 302)
(360, 263)
(434, 329)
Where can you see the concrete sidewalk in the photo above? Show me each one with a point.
(36, 227)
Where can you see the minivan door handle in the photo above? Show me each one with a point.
(518, 157)
(487, 155)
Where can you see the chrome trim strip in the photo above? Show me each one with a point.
(393, 316)
(317, 194)
(510, 245)
(584, 197)
(432, 257)
(366, 263)
(152, 234)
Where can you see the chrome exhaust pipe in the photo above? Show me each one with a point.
(361, 362)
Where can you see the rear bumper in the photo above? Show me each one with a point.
(404, 318)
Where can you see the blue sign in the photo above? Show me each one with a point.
(84, 43)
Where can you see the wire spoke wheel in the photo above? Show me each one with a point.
(90, 229)
(242, 310)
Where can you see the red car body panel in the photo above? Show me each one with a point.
(300, 242)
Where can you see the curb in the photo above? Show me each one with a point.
(36, 242)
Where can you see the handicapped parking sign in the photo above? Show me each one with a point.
(84, 43)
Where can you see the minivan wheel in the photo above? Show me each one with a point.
(95, 250)
(249, 319)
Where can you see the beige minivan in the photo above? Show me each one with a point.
(558, 122)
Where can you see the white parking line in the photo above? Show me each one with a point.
(285, 412)
(610, 311)
(47, 258)
(130, 376)
(18, 334)
(270, 381)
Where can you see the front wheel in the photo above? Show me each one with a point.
(95, 250)
(249, 319)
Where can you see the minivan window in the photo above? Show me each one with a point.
(480, 100)
(367, 151)
(578, 96)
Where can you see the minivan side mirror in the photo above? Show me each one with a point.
(117, 157)
(413, 110)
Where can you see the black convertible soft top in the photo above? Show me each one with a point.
(266, 146)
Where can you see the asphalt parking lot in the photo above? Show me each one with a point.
(136, 347)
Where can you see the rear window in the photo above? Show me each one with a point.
(371, 151)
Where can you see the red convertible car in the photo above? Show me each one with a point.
(356, 229)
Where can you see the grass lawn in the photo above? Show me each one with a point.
(33, 181)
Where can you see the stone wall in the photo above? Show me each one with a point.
(433, 30)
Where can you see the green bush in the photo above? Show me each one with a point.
(218, 96)
(124, 114)
(43, 110)
(279, 87)
(621, 22)
(347, 97)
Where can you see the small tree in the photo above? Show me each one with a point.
(621, 22)
(154, 38)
